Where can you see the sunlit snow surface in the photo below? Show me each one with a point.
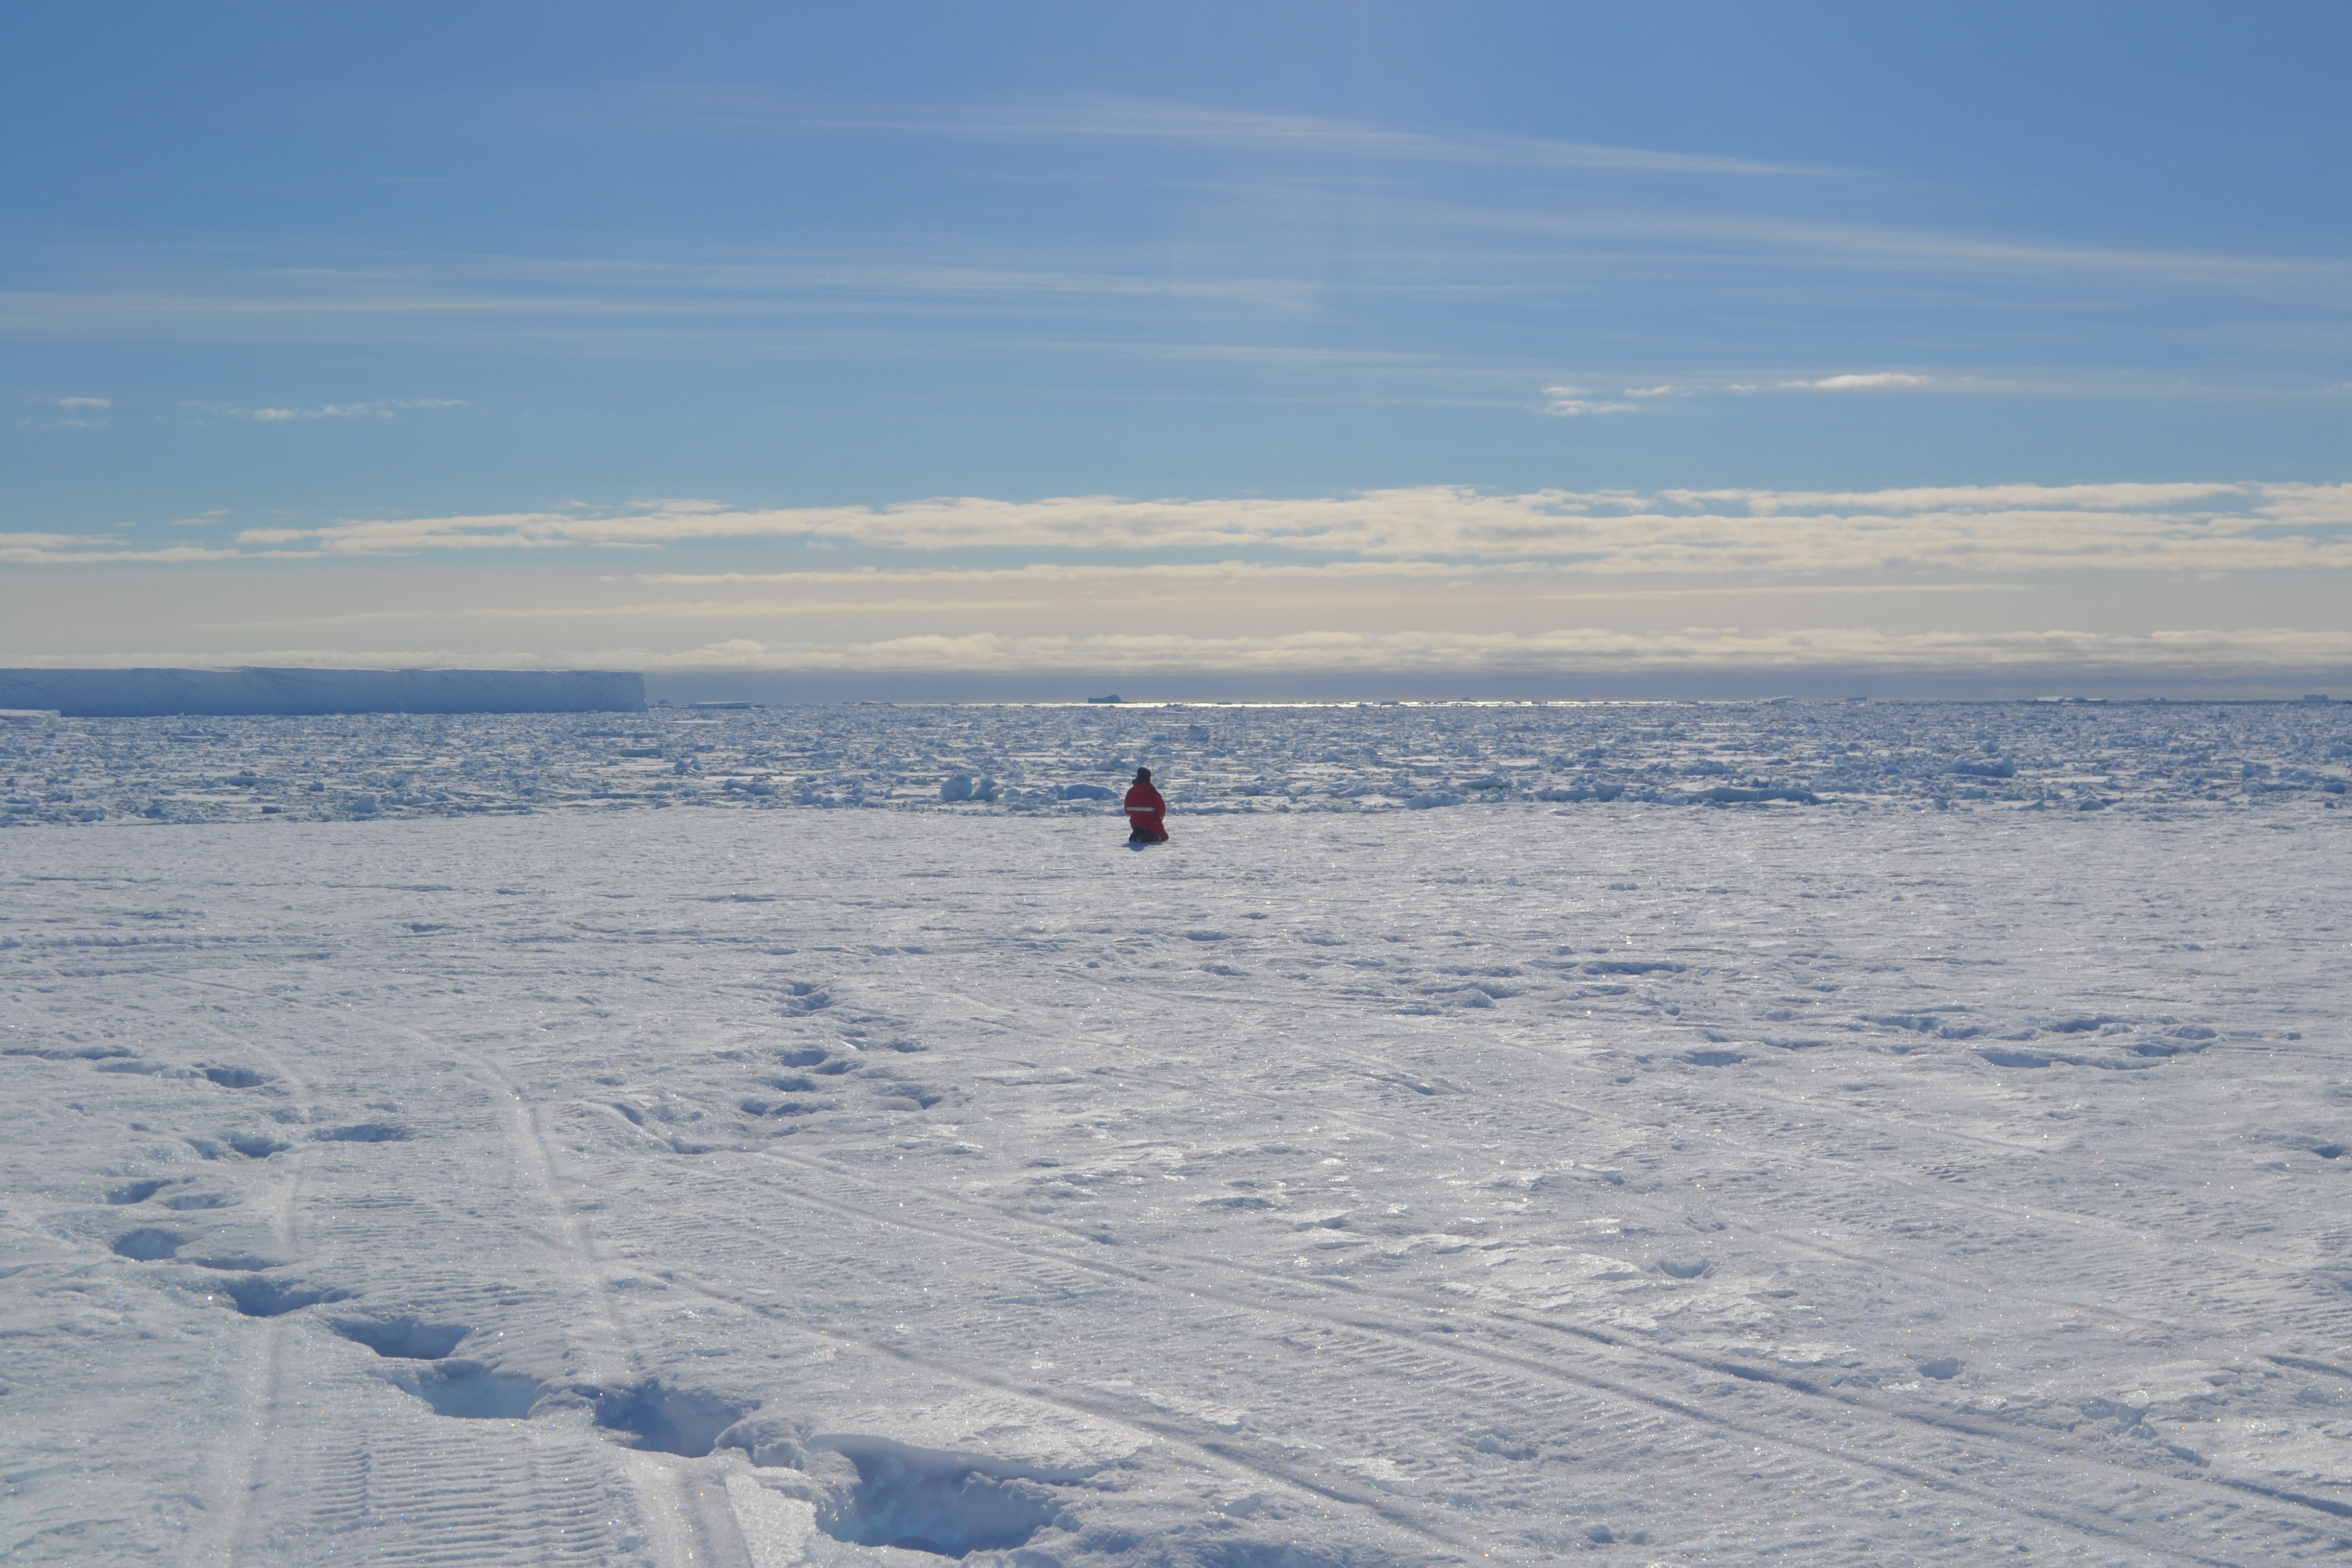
(1941, 1172)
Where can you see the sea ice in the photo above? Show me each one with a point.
(2140, 757)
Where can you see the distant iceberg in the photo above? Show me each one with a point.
(146, 693)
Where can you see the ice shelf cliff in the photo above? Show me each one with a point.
(139, 693)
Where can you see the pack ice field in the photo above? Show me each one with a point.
(1646, 1134)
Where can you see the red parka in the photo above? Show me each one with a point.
(1146, 810)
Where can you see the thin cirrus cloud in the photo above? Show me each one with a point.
(1999, 529)
(616, 292)
(1740, 241)
(1107, 292)
(1401, 241)
(1134, 120)
(597, 296)
(1116, 119)
(615, 296)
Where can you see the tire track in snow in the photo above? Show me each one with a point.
(1689, 1360)
(1429, 1366)
(501, 1499)
(2152, 1254)
(1210, 1444)
(2148, 1237)
(244, 1468)
(1980, 1435)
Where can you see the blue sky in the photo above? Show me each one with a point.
(592, 334)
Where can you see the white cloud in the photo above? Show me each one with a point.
(1568, 402)
(2090, 499)
(1116, 612)
(71, 548)
(1854, 382)
(1057, 574)
(385, 410)
(2203, 654)
(332, 411)
(1941, 533)
(2002, 529)
(1197, 598)
(80, 413)
(2200, 651)
(1861, 381)
(42, 540)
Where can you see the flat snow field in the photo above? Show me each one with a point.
(1536, 1181)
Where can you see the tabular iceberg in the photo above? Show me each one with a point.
(146, 693)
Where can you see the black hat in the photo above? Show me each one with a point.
(1143, 776)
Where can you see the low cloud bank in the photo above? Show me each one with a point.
(1693, 659)
(2213, 587)
(1591, 650)
(2010, 529)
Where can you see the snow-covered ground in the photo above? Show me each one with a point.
(1531, 1179)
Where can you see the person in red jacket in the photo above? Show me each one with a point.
(1147, 811)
